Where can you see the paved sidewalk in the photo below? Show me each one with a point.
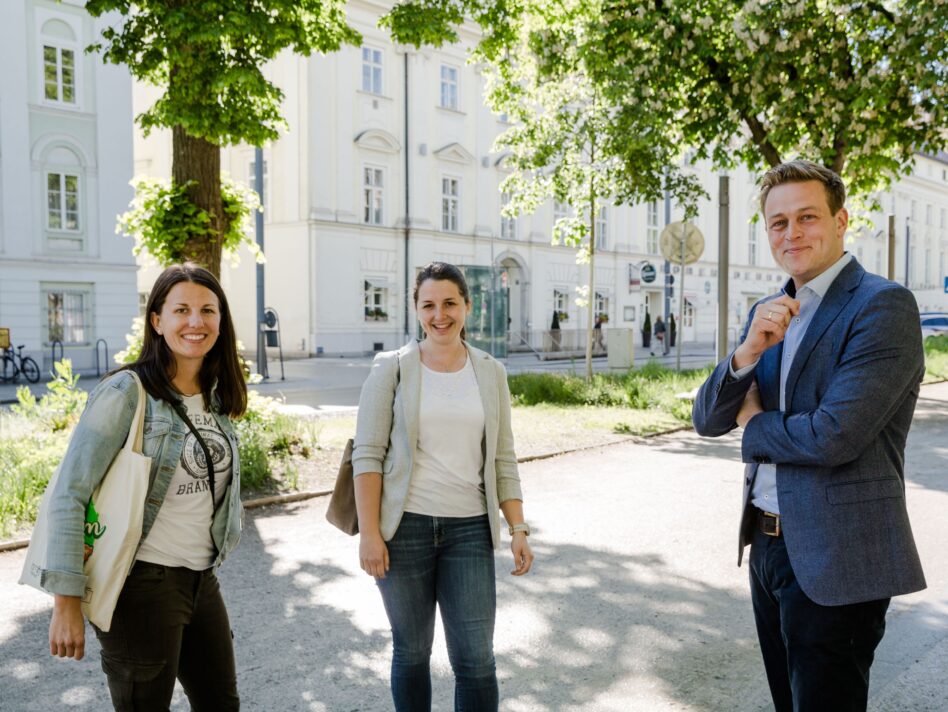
(635, 603)
(327, 382)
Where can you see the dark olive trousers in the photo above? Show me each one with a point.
(170, 623)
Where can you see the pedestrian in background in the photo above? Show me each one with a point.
(433, 462)
(659, 331)
(824, 384)
(170, 620)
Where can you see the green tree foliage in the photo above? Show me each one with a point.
(857, 86)
(208, 56)
(561, 144)
(162, 219)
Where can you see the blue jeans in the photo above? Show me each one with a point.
(448, 561)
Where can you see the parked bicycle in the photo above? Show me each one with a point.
(12, 364)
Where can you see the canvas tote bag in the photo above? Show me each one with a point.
(113, 525)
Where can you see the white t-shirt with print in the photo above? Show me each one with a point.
(181, 534)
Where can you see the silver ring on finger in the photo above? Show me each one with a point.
(770, 316)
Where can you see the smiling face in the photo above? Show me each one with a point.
(441, 310)
(189, 321)
(806, 238)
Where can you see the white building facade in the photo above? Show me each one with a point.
(66, 278)
(388, 164)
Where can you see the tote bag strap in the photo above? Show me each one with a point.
(133, 442)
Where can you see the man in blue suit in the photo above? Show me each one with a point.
(824, 384)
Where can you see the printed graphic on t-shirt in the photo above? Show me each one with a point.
(193, 461)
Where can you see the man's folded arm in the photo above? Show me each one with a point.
(882, 360)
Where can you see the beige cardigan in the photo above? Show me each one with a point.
(387, 432)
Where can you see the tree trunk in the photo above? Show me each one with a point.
(590, 329)
(198, 160)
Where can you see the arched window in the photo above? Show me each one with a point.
(63, 193)
(60, 58)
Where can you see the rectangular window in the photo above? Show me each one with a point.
(928, 265)
(450, 193)
(879, 263)
(561, 304)
(372, 195)
(375, 293)
(508, 226)
(688, 314)
(928, 214)
(62, 201)
(59, 74)
(560, 211)
(449, 87)
(651, 229)
(68, 310)
(752, 244)
(602, 228)
(601, 306)
(371, 70)
(914, 213)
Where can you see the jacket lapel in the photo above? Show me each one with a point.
(837, 297)
(409, 388)
(487, 387)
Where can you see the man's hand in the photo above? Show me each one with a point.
(768, 328)
(751, 406)
(67, 629)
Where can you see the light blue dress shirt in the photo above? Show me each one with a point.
(810, 295)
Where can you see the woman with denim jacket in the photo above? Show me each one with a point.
(433, 462)
(170, 621)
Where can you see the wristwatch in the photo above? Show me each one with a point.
(522, 527)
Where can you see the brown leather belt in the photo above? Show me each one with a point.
(768, 523)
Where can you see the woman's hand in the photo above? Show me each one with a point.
(522, 554)
(373, 554)
(67, 629)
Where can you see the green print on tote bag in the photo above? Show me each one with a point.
(93, 530)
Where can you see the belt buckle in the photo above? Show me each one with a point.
(776, 519)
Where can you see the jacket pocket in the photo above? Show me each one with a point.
(864, 491)
(153, 434)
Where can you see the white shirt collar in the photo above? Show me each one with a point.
(820, 284)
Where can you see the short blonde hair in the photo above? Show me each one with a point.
(801, 172)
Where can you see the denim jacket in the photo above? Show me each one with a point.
(97, 439)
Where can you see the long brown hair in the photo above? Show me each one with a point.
(221, 376)
(443, 271)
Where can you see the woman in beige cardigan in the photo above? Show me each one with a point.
(433, 462)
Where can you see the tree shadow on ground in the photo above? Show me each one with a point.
(588, 630)
(625, 632)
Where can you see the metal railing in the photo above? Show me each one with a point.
(557, 340)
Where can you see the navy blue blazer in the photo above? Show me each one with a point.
(839, 447)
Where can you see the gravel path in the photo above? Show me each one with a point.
(635, 602)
